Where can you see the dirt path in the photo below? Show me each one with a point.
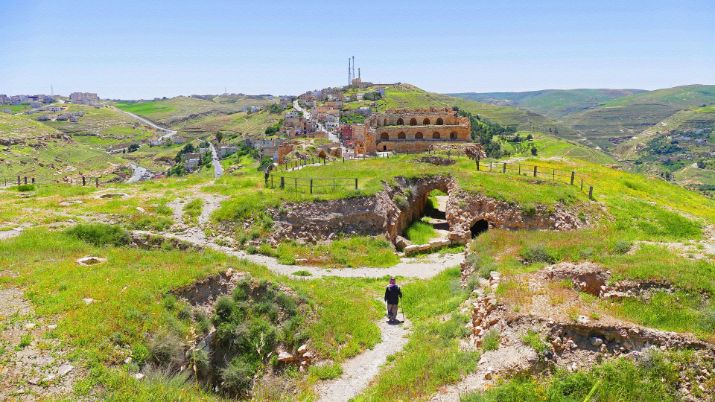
(33, 366)
(361, 369)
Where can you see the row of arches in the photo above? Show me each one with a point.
(418, 136)
(413, 122)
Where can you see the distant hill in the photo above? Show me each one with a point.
(620, 119)
(173, 111)
(553, 103)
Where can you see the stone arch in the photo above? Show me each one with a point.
(479, 227)
(400, 122)
(401, 135)
(435, 135)
(384, 122)
(413, 122)
(439, 121)
(384, 136)
(418, 136)
(425, 122)
(453, 135)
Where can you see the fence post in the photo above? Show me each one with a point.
(581, 184)
(553, 175)
(33, 180)
(295, 184)
(18, 180)
(343, 159)
(572, 176)
(503, 169)
(311, 186)
(25, 179)
(590, 192)
(356, 186)
(478, 163)
(283, 183)
(272, 186)
(84, 180)
(535, 167)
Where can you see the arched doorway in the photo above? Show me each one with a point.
(479, 227)
(440, 121)
(413, 122)
(418, 136)
(401, 135)
(435, 135)
(384, 147)
(384, 122)
(425, 122)
(453, 136)
(400, 122)
(384, 136)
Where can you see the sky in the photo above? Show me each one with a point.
(144, 49)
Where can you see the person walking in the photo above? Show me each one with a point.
(393, 293)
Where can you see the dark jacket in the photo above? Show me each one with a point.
(392, 294)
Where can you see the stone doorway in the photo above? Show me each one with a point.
(479, 227)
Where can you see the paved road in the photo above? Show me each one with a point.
(168, 133)
(139, 174)
(218, 169)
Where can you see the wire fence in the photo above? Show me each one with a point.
(570, 177)
(22, 180)
(312, 185)
(325, 185)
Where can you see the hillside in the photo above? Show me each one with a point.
(33, 149)
(169, 112)
(681, 146)
(554, 103)
(620, 119)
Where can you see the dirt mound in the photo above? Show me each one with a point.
(436, 160)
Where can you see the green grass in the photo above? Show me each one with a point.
(420, 232)
(192, 211)
(326, 372)
(358, 251)
(654, 379)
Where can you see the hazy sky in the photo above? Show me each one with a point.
(142, 49)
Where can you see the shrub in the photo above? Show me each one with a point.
(622, 247)
(26, 187)
(538, 253)
(166, 349)
(533, 339)
(100, 234)
(237, 377)
(326, 372)
(491, 340)
(200, 360)
(401, 201)
(302, 273)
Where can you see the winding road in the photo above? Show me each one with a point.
(168, 133)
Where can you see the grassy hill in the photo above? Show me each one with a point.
(176, 110)
(682, 145)
(554, 103)
(234, 123)
(103, 127)
(36, 150)
(620, 119)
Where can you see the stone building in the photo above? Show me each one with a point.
(363, 139)
(86, 98)
(416, 130)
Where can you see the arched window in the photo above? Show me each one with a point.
(400, 122)
(439, 121)
(435, 135)
(413, 122)
(425, 122)
(384, 136)
(401, 135)
(453, 135)
(418, 136)
(384, 122)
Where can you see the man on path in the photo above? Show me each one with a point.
(392, 298)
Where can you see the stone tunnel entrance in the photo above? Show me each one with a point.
(479, 227)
